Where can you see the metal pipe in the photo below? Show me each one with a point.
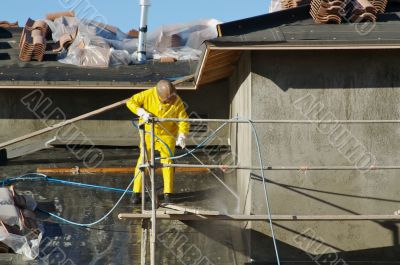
(298, 168)
(242, 217)
(153, 199)
(143, 154)
(141, 52)
(282, 121)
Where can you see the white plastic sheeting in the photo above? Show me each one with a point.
(275, 5)
(27, 245)
(181, 41)
(95, 44)
(98, 45)
(8, 212)
(23, 245)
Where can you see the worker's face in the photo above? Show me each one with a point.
(168, 100)
(166, 97)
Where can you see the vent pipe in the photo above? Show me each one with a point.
(141, 52)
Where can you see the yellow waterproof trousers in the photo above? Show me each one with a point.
(168, 173)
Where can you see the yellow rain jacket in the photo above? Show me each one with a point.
(149, 101)
(166, 131)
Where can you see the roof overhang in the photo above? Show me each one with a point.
(219, 62)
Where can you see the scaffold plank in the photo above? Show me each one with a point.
(243, 217)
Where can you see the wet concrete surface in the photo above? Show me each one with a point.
(117, 241)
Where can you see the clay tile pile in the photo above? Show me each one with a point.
(380, 5)
(361, 10)
(335, 11)
(325, 11)
(64, 42)
(293, 3)
(33, 41)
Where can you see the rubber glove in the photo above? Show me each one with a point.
(143, 114)
(181, 141)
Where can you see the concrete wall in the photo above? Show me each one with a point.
(111, 128)
(240, 98)
(326, 85)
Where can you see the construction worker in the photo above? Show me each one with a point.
(161, 101)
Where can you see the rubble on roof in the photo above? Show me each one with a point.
(89, 43)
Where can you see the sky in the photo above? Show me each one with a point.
(125, 14)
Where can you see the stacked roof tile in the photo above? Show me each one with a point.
(33, 41)
(337, 11)
(361, 10)
(325, 11)
(380, 5)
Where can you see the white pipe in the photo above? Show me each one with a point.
(144, 7)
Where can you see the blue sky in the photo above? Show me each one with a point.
(125, 13)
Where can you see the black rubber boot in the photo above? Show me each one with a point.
(136, 198)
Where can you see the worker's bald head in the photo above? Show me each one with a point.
(166, 91)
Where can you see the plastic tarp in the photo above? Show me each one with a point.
(25, 245)
(98, 45)
(181, 41)
(8, 212)
(275, 5)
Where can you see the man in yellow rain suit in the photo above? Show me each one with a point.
(161, 101)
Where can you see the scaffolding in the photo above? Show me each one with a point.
(149, 218)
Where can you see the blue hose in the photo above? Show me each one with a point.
(42, 177)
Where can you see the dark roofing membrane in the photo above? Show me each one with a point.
(51, 72)
(295, 26)
(116, 241)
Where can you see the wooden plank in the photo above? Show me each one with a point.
(203, 63)
(130, 170)
(78, 118)
(241, 218)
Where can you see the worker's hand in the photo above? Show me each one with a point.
(181, 141)
(143, 114)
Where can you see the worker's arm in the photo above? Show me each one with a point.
(135, 102)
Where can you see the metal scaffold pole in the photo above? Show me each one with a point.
(153, 199)
(145, 223)
(284, 168)
(283, 121)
